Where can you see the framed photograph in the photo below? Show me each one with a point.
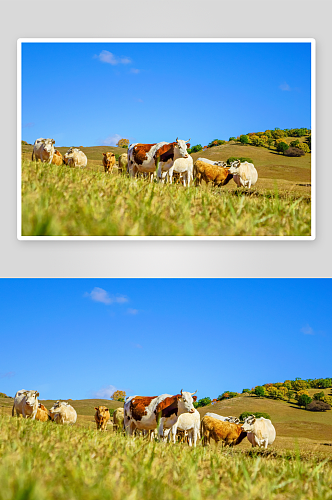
(166, 139)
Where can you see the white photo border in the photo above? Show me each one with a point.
(312, 41)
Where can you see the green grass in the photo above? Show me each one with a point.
(59, 201)
(43, 461)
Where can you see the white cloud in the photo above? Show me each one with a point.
(111, 140)
(104, 392)
(139, 100)
(135, 71)
(137, 346)
(132, 311)
(307, 330)
(100, 295)
(7, 375)
(284, 86)
(28, 125)
(107, 57)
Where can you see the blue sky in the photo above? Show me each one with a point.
(89, 94)
(82, 338)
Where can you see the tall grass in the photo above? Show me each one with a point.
(43, 461)
(59, 201)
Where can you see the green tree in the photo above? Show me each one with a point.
(232, 139)
(319, 396)
(244, 139)
(290, 394)
(203, 402)
(195, 149)
(260, 391)
(299, 384)
(282, 147)
(245, 390)
(123, 142)
(304, 400)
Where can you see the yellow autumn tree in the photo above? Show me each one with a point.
(123, 142)
(118, 396)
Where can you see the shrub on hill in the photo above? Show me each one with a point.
(242, 159)
(260, 391)
(294, 152)
(304, 400)
(227, 395)
(195, 149)
(245, 390)
(304, 147)
(216, 142)
(318, 396)
(282, 147)
(244, 139)
(232, 139)
(24, 143)
(318, 406)
(202, 402)
(308, 141)
(327, 399)
(257, 414)
(3, 395)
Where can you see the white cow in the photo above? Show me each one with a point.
(190, 423)
(26, 404)
(151, 157)
(75, 158)
(233, 420)
(213, 162)
(244, 174)
(160, 413)
(260, 431)
(63, 413)
(43, 150)
(184, 167)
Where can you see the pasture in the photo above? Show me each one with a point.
(43, 461)
(59, 201)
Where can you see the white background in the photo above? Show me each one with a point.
(158, 18)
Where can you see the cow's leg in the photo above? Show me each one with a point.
(174, 431)
(190, 435)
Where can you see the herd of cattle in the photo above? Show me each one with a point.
(164, 417)
(164, 160)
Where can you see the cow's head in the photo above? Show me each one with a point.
(247, 426)
(186, 402)
(102, 411)
(233, 169)
(31, 398)
(181, 148)
(48, 146)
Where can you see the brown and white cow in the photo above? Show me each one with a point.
(102, 416)
(108, 161)
(25, 404)
(151, 157)
(156, 412)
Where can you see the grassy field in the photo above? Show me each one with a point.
(43, 461)
(59, 201)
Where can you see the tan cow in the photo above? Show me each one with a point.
(123, 163)
(102, 416)
(57, 158)
(25, 404)
(63, 413)
(118, 417)
(217, 174)
(42, 413)
(108, 161)
(75, 158)
(228, 433)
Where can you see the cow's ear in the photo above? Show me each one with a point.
(37, 394)
(104, 154)
(96, 408)
(53, 141)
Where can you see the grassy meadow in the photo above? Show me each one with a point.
(59, 201)
(45, 461)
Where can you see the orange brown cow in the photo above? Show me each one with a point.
(102, 416)
(228, 433)
(108, 161)
(217, 174)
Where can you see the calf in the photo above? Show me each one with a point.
(228, 433)
(57, 158)
(25, 404)
(63, 413)
(102, 416)
(118, 417)
(188, 422)
(108, 161)
(217, 174)
(123, 163)
(42, 413)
